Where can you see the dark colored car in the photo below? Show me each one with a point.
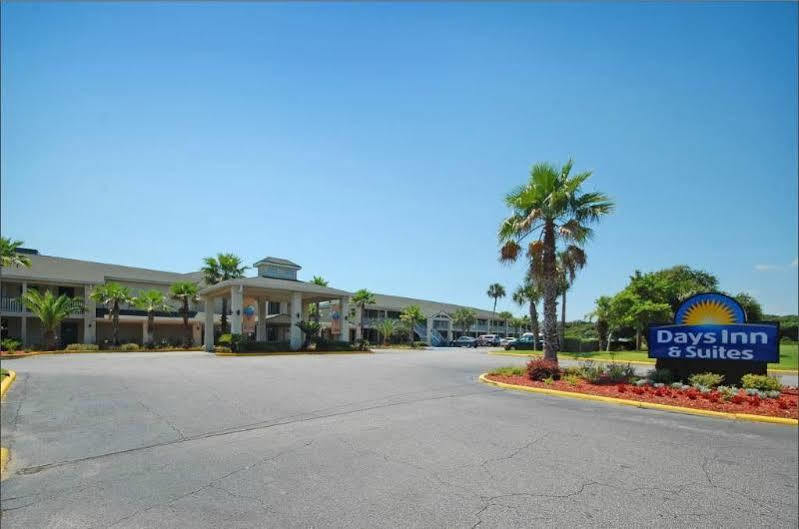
(524, 343)
(464, 341)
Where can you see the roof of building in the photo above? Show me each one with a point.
(310, 291)
(429, 308)
(278, 261)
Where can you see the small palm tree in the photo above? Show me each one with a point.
(322, 282)
(529, 293)
(185, 292)
(221, 268)
(9, 255)
(602, 313)
(50, 310)
(386, 328)
(112, 295)
(495, 291)
(551, 205)
(151, 301)
(570, 261)
(464, 318)
(412, 315)
(361, 299)
(505, 317)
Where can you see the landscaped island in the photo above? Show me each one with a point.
(759, 394)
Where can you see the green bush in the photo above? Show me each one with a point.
(332, 345)
(572, 379)
(82, 347)
(260, 347)
(129, 347)
(222, 349)
(10, 344)
(508, 371)
(660, 376)
(761, 382)
(418, 345)
(706, 380)
(225, 339)
(238, 340)
(616, 373)
(591, 371)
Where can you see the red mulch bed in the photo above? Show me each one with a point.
(783, 406)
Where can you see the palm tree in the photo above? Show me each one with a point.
(530, 293)
(185, 291)
(602, 313)
(495, 291)
(362, 298)
(506, 317)
(9, 255)
(412, 315)
(50, 310)
(464, 318)
(386, 328)
(551, 205)
(570, 261)
(322, 282)
(221, 268)
(152, 301)
(112, 295)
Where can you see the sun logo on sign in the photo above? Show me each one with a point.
(710, 309)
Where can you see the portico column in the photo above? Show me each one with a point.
(295, 338)
(345, 320)
(260, 329)
(89, 316)
(23, 322)
(209, 324)
(236, 306)
(449, 330)
(429, 331)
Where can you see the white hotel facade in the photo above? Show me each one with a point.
(266, 306)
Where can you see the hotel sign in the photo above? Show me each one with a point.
(713, 327)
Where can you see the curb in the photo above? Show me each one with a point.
(646, 405)
(635, 362)
(39, 353)
(7, 382)
(294, 353)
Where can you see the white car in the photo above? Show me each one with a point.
(506, 340)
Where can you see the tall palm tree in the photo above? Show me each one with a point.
(361, 299)
(570, 261)
(151, 301)
(112, 295)
(552, 206)
(221, 268)
(530, 293)
(9, 255)
(322, 282)
(50, 310)
(185, 292)
(495, 291)
(411, 315)
(386, 327)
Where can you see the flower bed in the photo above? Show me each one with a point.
(783, 406)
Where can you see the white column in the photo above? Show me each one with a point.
(345, 320)
(209, 324)
(449, 330)
(144, 330)
(295, 335)
(429, 331)
(357, 322)
(236, 306)
(89, 316)
(260, 328)
(196, 334)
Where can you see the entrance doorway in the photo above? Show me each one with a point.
(69, 333)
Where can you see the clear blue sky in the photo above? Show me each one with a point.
(373, 143)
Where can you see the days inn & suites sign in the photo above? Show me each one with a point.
(713, 327)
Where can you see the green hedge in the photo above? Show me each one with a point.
(262, 347)
(575, 345)
(82, 347)
(334, 346)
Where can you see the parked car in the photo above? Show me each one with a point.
(523, 343)
(506, 340)
(464, 341)
(488, 339)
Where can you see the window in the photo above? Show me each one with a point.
(274, 307)
(66, 291)
(394, 315)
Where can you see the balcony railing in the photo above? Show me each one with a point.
(11, 304)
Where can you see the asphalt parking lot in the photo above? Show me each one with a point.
(394, 439)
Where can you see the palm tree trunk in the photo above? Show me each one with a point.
(224, 316)
(550, 293)
(150, 327)
(115, 321)
(534, 324)
(610, 336)
(49, 339)
(186, 328)
(361, 322)
(637, 339)
(563, 321)
(493, 311)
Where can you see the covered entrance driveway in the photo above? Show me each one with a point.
(295, 295)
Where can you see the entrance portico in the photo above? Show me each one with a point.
(250, 298)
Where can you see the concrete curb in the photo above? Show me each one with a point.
(12, 375)
(647, 405)
(40, 353)
(634, 362)
(309, 353)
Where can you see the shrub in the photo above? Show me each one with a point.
(572, 379)
(575, 371)
(225, 339)
(708, 380)
(418, 345)
(508, 371)
(82, 347)
(615, 373)
(222, 349)
(259, 347)
(761, 382)
(727, 392)
(663, 376)
(325, 345)
(10, 344)
(541, 368)
(591, 371)
(129, 347)
(237, 340)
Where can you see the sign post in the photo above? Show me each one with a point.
(710, 333)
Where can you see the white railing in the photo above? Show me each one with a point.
(10, 304)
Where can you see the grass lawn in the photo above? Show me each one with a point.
(788, 356)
